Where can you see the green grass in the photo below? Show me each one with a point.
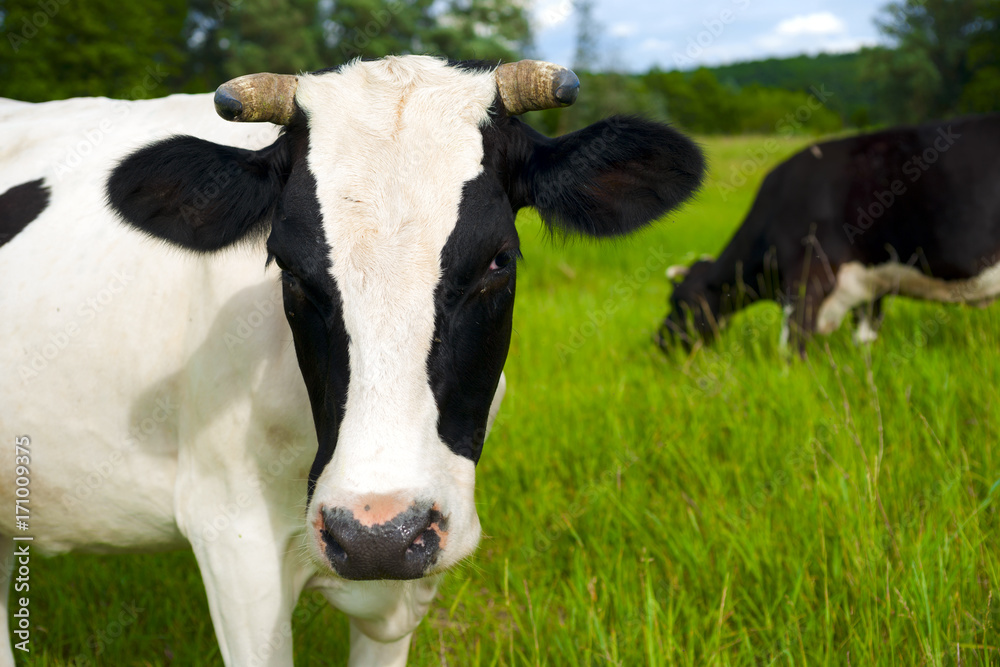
(728, 507)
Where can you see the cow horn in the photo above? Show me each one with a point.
(533, 85)
(257, 98)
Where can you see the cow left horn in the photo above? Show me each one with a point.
(533, 85)
(258, 98)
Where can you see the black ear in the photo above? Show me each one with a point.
(609, 178)
(197, 194)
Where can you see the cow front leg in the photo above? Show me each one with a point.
(251, 593)
(368, 652)
(867, 320)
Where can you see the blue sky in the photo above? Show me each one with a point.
(683, 35)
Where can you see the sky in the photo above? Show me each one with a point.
(635, 35)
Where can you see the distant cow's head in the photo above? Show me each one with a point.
(388, 202)
(695, 305)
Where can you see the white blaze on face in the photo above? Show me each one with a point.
(391, 144)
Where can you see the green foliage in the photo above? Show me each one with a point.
(853, 96)
(697, 102)
(982, 93)
(53, 49)
(944, 58)
(371, 28)
(228, 38)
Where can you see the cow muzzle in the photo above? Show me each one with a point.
(380, 537)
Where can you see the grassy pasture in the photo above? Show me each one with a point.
(728, 507)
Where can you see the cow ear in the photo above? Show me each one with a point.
(197, 194)
(607, 179)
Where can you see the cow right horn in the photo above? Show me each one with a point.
(258, 98)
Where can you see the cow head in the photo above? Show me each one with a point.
(695, 305)
(388, 202)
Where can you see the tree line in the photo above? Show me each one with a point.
(941, 58)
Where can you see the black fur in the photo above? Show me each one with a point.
(19, 206)
(609, 178)
(924, 195)
(198, 194)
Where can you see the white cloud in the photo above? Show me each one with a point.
(654, 44)
(623, 30)
(820, 23)
(551, 13)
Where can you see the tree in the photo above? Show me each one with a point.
(983, 91)
(54, 49)
(587, 57)
(228, 38)
(370, 28)
(925, 74)
(457, 29)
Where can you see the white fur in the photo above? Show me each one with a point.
(392, 143)
(677, 272)
(857, 284)
(866, 333)
(230, 441)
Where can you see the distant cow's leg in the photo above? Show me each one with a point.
(6, 568)
(803, 316)
(867, 319)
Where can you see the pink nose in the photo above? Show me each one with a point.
(381, 538)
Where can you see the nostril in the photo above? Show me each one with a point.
(334, 551)
(402, 547)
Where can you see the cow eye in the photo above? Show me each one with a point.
(277, 260)
(503, 259)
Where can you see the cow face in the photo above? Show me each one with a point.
(389, 203)
(695, 307)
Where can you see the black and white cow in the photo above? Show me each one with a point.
(300, 387)
(913, 211)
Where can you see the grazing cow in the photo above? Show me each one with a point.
(913, 211)
(300, 387)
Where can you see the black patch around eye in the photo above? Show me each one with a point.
(504, 259)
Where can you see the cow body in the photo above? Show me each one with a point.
(301, 390)
(182, 420)
(912, 211)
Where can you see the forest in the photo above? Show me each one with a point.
(941, 58)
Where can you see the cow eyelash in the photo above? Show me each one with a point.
(271, 257)
(504, 259)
